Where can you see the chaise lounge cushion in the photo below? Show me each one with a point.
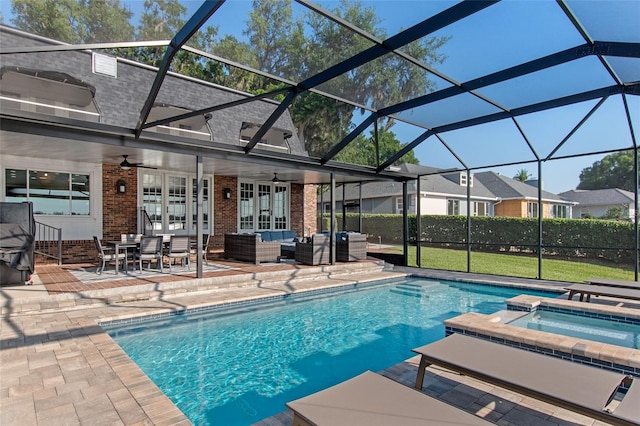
(372, 399)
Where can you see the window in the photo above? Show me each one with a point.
(559, 210)
(399, 205)
(480, 208)
(453, 207)
(463, 179)
(532, 209)
(205, 204)
(246, 206)
(52, 193)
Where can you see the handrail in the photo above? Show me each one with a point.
(48, 241)
(146, 224)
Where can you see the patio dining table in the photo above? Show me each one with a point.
(119, 245)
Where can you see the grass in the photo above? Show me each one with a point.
(516, 265)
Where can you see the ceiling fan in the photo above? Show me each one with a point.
(277, 180)
(126, 165)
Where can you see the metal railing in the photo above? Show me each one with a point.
(48, 241)
(145, 222)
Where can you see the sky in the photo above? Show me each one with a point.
(500, 36)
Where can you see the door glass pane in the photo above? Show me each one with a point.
(177, 206)
(280, 203)
(205, 204)
(152, 198)
(264, 206)
(246, 206)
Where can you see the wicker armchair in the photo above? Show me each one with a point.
(315, 252)
(250, 248)
(351, 247)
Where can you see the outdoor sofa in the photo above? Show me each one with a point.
(372, 399)
(576, 387)
(250, 248)
(286, 238)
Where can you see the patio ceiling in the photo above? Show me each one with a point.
(510, 66)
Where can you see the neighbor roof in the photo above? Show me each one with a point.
(599, 197)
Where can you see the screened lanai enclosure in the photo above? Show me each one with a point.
(471, 89)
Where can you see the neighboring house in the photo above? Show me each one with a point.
(80, 108)
(490, 194)
(596, 203)
(520, 199)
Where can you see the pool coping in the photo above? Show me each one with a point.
(495, 327)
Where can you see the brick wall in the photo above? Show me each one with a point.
(310, 209)
(120, 211)
(225, 216)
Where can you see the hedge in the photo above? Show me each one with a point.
(566, 238)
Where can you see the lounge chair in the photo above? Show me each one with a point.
(371, 399)
(575, 387)
(601, 290)
(613, 283)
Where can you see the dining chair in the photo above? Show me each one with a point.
(150, 249)
(179, 249)
(205, 248)
(106, 255)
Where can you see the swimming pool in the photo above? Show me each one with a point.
(582, 327)
(238, 365)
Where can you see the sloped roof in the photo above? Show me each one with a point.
(599, 197)
(507, 188)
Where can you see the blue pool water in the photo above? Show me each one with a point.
(599, 330)
(238, 366)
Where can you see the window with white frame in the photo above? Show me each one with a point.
(559, 210)
(453, 207)
(532, 209)
(480, 208)
(464, 180)
(399, 205)
(51, 192)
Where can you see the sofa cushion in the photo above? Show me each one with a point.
(276, 236)
(288, 236)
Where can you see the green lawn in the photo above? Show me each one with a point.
(515, 265)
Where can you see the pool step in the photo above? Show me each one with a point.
(408, 289)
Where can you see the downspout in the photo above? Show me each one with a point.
(199, 215)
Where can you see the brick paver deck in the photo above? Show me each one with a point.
(57, 366)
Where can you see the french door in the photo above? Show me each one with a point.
(264, 206)
(170, 202)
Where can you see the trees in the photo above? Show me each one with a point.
(522, 175)
(74, 21)
(613, 171)
(362, 149)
